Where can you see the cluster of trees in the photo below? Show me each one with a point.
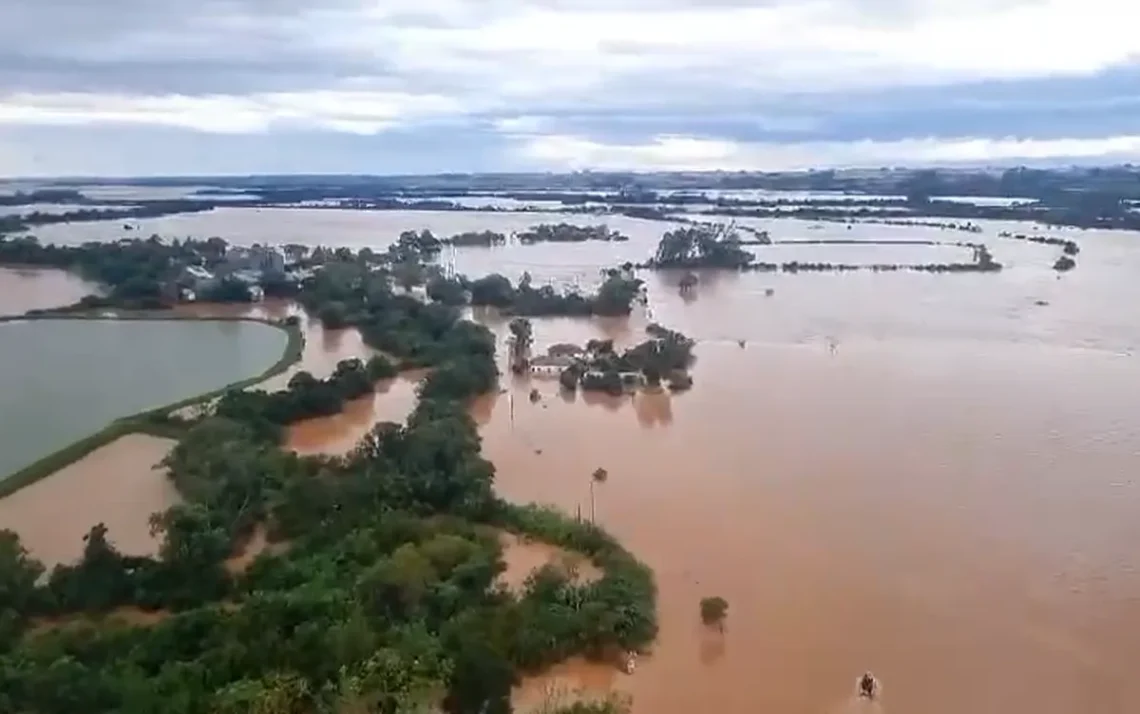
(701, 245)
(138, 273)
(134, 271)
(382, 597)
(615, 296)
(666, 355)
(567, 233)
(306, 396)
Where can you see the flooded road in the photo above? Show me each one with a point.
(946, 497)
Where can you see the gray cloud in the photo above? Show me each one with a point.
(499, 73)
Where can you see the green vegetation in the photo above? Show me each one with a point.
(383, 595)
(348, 291)
(702, 245)
(154, 421)
(522, 337)
(138, 274)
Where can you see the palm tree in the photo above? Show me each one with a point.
(599, 476)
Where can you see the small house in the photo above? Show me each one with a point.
(550, 365)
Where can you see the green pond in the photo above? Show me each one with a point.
(62, 380)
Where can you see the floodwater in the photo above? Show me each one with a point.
(118, 484)
(62, 380)
(927, 476)
(523, 556)
(28, 288)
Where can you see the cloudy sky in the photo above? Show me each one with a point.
(142, 87)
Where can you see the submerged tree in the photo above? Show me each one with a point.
(522, 336)
(714, 610)
(704, 245)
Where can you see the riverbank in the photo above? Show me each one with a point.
(149, 421)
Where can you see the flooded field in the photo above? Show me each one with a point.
(23, 289)
(946, 496)
(117, 484)
(62, 380)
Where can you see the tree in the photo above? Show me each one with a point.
(333, 315)
(495, 290)
(522, 336)
(448, 291)
(380, 367)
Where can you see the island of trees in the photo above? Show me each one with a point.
(666, 355)
(380, 593)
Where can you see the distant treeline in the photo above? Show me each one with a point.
(1053, 186)
(28, 198)
(149, 209)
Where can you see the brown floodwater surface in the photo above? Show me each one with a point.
(392, 401)
(872, 508)
(117, 484)
(23, 289)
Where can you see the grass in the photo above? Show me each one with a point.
(150, 421)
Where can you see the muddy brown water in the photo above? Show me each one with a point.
(29, 288)
(927, 476)
(119, 484)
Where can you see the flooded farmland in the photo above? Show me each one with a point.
(928, 476)
(119, 484)
(23, 289)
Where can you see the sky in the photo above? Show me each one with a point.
(139, 87)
